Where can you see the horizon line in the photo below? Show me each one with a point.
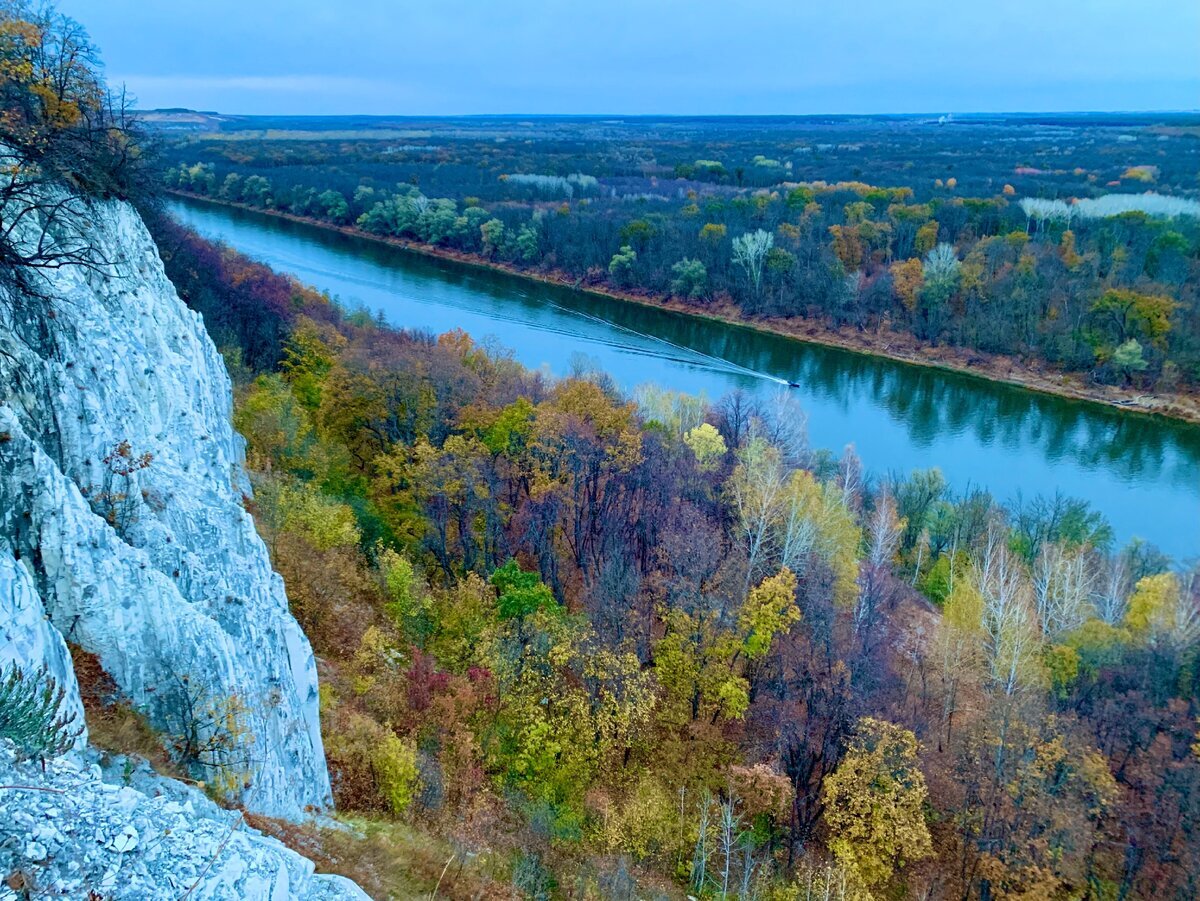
(610, 115)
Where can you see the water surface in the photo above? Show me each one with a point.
(1143, 473)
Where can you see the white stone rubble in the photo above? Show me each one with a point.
(67, 832)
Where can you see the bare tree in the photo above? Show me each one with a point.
(756, 491)
(730, 825)
(797, 533)
(1008, 621)
(1113, 597)
(701, 852)
(750, 252)
(850, 477)
(883, 539)
(785, 425)
(1063, 584)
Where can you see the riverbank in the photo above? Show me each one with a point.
(885, 343)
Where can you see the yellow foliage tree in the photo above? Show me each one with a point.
(279, 430)
(927, 237)
(848, 246)
(301, 508)
(644, 823)
(1070, 256)
(875, 803)
(566, 705)
(770, 610)
(820, 509)
(907, 278)
(694, 663)
(707, 444)
(395, 764)
(1158, 611)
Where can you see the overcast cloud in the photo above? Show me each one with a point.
(641, 56)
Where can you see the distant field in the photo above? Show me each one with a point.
(287, 134)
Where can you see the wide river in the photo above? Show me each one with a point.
(1143, 473)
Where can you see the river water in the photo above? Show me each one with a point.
(1143, 473)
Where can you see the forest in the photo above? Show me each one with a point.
(643, 646)
(1067, 243)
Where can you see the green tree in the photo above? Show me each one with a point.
(332, 205)
(256, 191)
(520, 593)
(231, 187)
(1121, 314)
(620, 267)
(492, 235)
(1128, 358)
(689, 278)
(527, 244)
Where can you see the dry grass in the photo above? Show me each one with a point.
(113, 725)
(394, 860)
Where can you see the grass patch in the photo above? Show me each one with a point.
(113, 725)
(394, 860)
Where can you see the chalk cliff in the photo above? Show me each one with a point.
(122, 520)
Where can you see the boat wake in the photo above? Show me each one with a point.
(712, 362)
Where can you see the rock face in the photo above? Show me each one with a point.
(67, 832)
(122, 526)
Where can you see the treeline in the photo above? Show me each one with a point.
(1111, 294)
(648, 645)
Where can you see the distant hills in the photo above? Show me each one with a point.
(181, 119)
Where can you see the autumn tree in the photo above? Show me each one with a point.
(908, 277)
(875, 803)
(1121, 315)
(61, 127)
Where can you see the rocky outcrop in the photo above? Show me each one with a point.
(122, 524)
(67, 833)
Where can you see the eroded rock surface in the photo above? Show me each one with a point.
(149, 562)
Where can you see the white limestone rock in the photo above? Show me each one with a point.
(172, 581)
(65, 832)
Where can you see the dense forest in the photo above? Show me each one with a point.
(1067, 241)
(647, 646)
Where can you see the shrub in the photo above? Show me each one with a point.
(209, 735)
(31, 714)
(395, 764)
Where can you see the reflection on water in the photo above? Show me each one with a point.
(1143, 473)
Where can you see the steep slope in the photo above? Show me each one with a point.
(150, 562)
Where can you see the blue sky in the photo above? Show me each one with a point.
(650, 56)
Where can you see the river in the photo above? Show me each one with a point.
(1142, 473)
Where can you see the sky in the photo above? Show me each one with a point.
(459, 57)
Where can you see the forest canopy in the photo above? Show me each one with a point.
(662, 644)
(998, 235)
